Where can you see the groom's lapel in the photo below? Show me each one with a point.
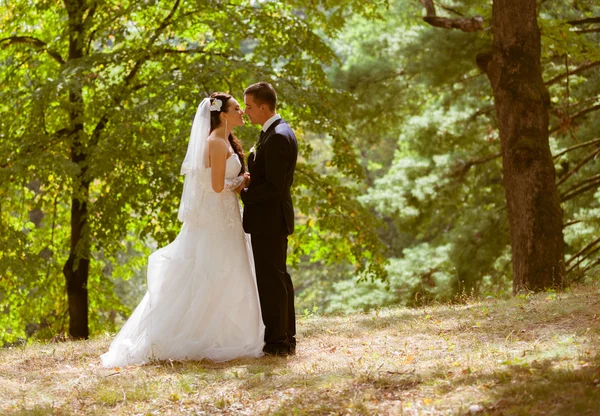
(264, 135)
(271, 129)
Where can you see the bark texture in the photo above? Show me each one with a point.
(522, 102)
(76, 269)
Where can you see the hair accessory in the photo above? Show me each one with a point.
(216, 105)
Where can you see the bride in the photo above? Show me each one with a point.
(202, 299)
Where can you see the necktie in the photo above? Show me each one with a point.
(260, 139)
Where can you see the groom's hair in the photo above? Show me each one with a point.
(263, 93)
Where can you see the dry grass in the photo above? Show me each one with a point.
(537, 355)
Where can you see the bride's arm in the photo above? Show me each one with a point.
(234, 184)
(217, 154)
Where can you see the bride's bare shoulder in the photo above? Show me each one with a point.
(217, 145)
(213, 140)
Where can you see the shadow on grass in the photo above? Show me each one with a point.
(253, 365)
(41, 410)
(548, 390)
(527, 320)
(340, 392)
(533, 388)
(537, 389)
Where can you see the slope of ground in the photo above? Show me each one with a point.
(531, 355)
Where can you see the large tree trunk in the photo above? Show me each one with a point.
(522, 100)
(76, 269)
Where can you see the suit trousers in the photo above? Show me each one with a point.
(275, 290)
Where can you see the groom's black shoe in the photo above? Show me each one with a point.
(277, 354)
(277, 350)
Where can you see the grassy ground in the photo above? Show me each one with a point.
(535, 355)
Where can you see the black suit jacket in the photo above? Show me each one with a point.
(267, 201)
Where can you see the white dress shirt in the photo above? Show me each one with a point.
(270, 121)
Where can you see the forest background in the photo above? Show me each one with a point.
(399, 189)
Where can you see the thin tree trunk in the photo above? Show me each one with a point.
(522, 102)
(76, 269)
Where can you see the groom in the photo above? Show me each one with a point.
(269, 216)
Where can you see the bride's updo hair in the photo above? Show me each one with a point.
(215, 121)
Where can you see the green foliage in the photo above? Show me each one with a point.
(143, 69)
(427, 137)
(399, 173)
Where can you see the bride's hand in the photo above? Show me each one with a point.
(243, 185)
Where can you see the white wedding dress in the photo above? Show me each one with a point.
(202, 299)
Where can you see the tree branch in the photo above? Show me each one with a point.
(584, 112)
(582, 272)
(429, 7)
(588, 255)
(573, 72)
(568, 224)
(579, 165)
(482, 111)
(584, 21)
(38, 147)
(129, 77)
(29, 40)
(583, 250)
(90, 16)
(167, 20)
(581, 187)
(190, 51)
(36, 43)
(472, 24)
(580, 114)
(560, 111)
(577, 146)
(462, 170)
(450, 9)
(151, 41)
(466, 25)
(583, 31)
(591, 265)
